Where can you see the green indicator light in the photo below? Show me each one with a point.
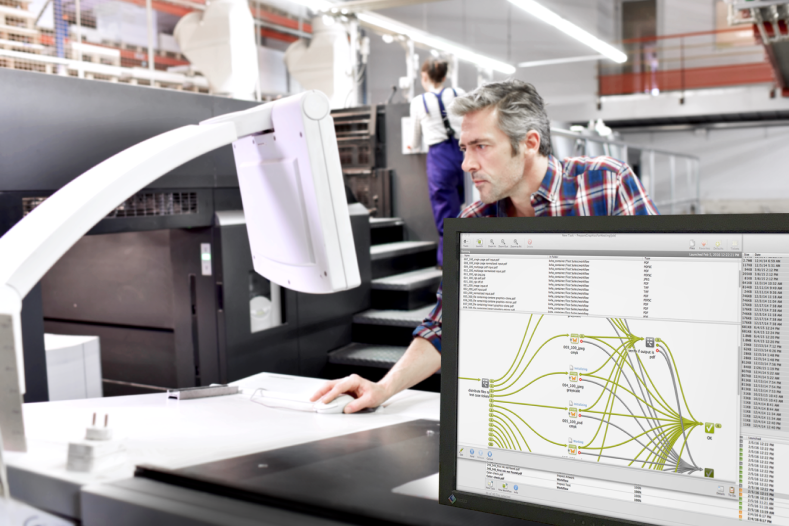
(205, 256)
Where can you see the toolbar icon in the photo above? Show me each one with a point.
(692, 244)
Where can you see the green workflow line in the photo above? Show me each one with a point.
(675, 434)
(525, 350)
(509, 434)
(672, 440)
(612, 397)
(615, 351)
(496, 401)
(630, 392)
(501, 421)
(618, 324)
(499, 432)
(656, 394)
(462, 378)
(619, 414)
(658, 437)
(491, 439)
(519, 348)
(663, 449)
(684, 443)
(600, 425)
(638, 378)
(674, 364)
(531, 360)
(626, 441)
(564, 373)
(603, 337)
(610, 358)
(665, 404)
(516, 428)
(530, 427)
(662, 442)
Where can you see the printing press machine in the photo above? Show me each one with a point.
(185, 320)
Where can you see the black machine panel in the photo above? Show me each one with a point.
(348, 478)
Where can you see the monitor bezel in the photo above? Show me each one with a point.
(702, 224)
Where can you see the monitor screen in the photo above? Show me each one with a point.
(628, 375)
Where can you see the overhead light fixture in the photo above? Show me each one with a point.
(567, 27)
(315, 5)
(555, 61)
(430, 41)
(386, 37)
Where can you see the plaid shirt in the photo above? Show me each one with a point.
(577, 186)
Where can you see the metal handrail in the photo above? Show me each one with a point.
(603, 140)
(649, 174)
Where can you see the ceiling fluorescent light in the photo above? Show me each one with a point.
(430, 41)
(567, 27)
(555, 61)
(315, 5)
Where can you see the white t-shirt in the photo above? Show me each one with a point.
(430, 123)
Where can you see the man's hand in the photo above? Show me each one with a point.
(367, 393)
(420, 360)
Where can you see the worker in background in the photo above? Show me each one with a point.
(506, 140)
(441, 131)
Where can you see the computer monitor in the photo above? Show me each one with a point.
(611, 370)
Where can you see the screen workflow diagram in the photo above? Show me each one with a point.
(653, 395)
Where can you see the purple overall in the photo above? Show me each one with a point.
(444, 180)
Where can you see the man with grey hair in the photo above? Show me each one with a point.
(506, 140)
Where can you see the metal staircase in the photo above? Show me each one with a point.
(403, 292)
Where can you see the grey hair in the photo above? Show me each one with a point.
(520, 110)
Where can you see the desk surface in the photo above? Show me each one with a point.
(176, 434)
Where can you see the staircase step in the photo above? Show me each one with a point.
(409, 280)
(386, 230)
(367, 355)
(388, 327)
(407, 291)
(385, 222)
(396, 318)
(403, 256)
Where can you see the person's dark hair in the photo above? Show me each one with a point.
(436, 70)
(520, 110)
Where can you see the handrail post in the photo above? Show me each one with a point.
(673, 173)
(682, 69)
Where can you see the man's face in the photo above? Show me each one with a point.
(488, 156)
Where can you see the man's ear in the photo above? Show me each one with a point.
(531, 142)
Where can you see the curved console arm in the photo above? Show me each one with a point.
(303, 168)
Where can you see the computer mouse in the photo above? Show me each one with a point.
(334, 407)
